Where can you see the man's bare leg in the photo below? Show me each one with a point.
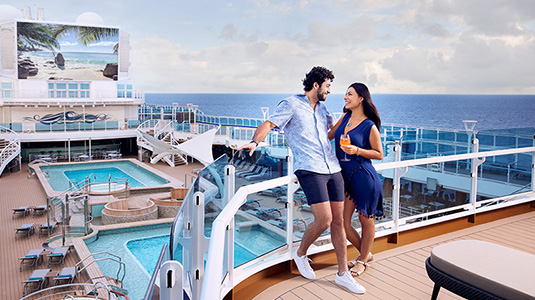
(322, 220)
(338, 235)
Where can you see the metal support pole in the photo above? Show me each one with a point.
(290, 205)
(199, 245)
(230, 187)
(64, 212)
(86, 210)
(396, 187)
(476, 162)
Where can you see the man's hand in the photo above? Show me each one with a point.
(251, 146)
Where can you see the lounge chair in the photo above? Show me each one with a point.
(57, 256)
(274, 192)
(32, 258)
(39, 210)
(281, 222)
(305, 207)
(48, 227)
(20, 211)
(254, 170)
(250, 204)
(481, 270)
(36, 281)
(25, 229)
(265, 213)
(264, 173)
(67, 275)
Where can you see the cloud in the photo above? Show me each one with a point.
(353, 32)
(103, 44)
(394, 47)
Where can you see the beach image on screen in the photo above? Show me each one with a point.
(66, 52)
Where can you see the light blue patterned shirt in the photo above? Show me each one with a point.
(306, 132)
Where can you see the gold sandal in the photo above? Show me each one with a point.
(355, 273)
(352, 263)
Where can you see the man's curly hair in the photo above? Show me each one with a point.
(317, 74)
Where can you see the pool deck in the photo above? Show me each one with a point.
(17, 189)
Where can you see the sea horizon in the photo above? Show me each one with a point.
(446, 111)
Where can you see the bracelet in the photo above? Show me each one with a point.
(253, 141)
(358, 149)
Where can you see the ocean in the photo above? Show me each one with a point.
(431, 111)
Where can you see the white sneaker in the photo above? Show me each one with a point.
(303, 265)
(347, 281)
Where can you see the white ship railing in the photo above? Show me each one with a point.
(220, 276)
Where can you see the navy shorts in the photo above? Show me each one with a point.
(320, 188)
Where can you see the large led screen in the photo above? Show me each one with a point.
(66, 52)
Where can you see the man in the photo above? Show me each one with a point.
(306, 121)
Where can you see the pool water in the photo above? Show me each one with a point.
(140, 248)
(61, 176)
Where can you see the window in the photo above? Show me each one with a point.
(68, 90)
(124, 90)
(6, 89)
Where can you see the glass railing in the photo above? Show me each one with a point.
(415, 195)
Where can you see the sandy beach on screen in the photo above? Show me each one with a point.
(76, 74)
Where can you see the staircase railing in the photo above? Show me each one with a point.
(11, 150)
(115, 258)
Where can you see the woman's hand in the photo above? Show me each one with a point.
(350, 149)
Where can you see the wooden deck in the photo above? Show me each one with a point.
(17, 189)
(396, 274)
(400, 273)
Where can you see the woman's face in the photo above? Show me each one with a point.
(352, 99)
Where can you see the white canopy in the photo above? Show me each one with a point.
(199, 147)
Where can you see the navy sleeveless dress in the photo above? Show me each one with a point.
(362, 182)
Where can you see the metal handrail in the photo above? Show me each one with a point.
(119, 261)
(62, 289)
(164, 254)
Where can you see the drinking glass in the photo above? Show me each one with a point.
(345, 141)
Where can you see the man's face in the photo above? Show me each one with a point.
(324, 90)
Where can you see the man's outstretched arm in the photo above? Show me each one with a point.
(259, 135)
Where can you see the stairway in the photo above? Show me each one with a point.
(9, 147)
(164, 132)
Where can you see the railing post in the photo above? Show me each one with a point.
(290, 205)
(476, 162)
(64, 210)
(86, 208)
(230, 187)
(171, 281)
(396, 187)
(199, 245)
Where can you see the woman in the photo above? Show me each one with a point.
(363, 187)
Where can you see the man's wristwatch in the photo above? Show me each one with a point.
(253, 141)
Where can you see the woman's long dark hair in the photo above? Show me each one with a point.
(369, 108)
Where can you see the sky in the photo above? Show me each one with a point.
(267, 46)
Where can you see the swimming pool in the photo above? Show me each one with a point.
(60, 177)
(139, 247)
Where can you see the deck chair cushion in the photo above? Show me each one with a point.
(499, 270)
